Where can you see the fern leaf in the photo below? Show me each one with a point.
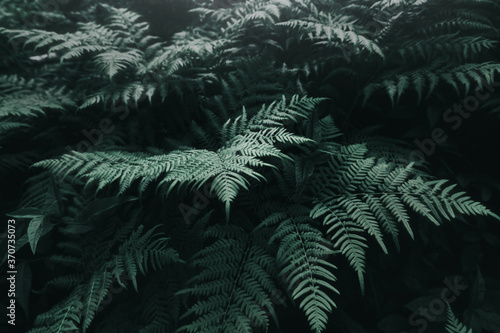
(235, 282)
(301, 255)
(452, 323)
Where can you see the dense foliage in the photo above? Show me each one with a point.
(237, 166)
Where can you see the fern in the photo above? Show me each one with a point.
(114, 61)
(235, 281)
(452, 323)
(325, 32)
(246, 113)
(308, 276)
(64, 317)
(354, 195)
(228, 166)
(421, 78)
(80, 308)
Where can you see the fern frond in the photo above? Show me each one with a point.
(355, 194)
(112, 62)
(234, 283)
(65, 316)
(440, 45)
(333, 34)
(431, 75)
(279, 112)
(228, 166)
(139, 251)
(95, 293)
(453, 325)
(301, 255)
(33, 105)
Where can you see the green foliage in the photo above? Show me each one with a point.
(453, 325)
(245, 112)
(235, 281)
(301, 256)
(81, 306)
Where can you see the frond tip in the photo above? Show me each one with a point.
(453, 325)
